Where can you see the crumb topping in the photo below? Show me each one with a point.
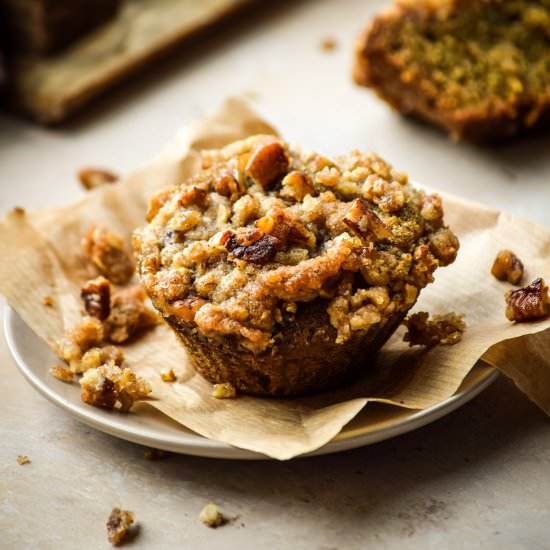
(263, 228)
(444, 329)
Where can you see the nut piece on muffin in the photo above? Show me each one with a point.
(480, 70)
(282, 271)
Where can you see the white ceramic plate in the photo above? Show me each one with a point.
(151, 428)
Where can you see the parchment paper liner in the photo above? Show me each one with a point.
(39, 257)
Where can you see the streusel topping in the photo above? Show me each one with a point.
(264, 228)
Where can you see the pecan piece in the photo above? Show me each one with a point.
(257, 252)
(90, 178)
(528, 303)
(441, 329)
(193, 195)
(507, 267)
(228, 185)
(297, 185)
(268, 164)
(96, 295)
(365, 223)
(286, 227)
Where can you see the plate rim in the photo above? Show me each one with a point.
(198, 445)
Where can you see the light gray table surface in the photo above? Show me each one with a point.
(475, 479)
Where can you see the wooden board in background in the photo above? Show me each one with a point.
(51, 89)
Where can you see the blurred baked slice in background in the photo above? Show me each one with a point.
(45, 26)
(480, 70)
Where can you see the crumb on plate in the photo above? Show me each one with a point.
(168, 375)
(22, 459)
(111, 386)
(507, 267)
(224, 391)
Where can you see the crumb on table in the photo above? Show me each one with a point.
(118, 524)
(329, 44)
(444, 329)
(91, 178)
(211, 516)
(22, 459)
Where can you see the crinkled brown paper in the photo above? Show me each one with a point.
(40, 256)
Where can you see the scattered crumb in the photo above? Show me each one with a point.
(528, 303)
(329, 44)
(211, 516)
(91, 178)
(48, 301)
(96, 295)
(112, 387)
(63, 373)
(22, 459)
(129, 315)
(168, 375)
(507, 267)
(86, 334)
(154, 454)
(107, 252)
(441, 329)
(224, 391)
(118, 524)
(95, 357)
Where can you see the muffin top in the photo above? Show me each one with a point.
(239, 249)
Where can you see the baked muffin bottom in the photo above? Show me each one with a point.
(304, 361)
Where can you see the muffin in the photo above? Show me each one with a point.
(283, 272)
(480, 70)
